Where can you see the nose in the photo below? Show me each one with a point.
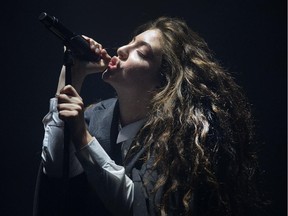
(123, 52)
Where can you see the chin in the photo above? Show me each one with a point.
(106, 75)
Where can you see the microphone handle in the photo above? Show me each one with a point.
(76, 43)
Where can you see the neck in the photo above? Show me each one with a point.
(133, 107)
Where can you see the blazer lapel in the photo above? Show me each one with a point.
(102, 123)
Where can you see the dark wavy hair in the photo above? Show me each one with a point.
(200, 132)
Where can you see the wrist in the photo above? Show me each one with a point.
(78, 75)
(83, 141)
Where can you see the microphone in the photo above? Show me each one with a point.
(76, 43)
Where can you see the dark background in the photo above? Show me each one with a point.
(248, 36)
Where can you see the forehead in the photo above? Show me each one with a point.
(151, 37)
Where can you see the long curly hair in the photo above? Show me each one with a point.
(199, 130)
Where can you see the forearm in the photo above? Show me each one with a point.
(77, 78)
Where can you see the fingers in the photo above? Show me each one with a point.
(92, 67)
(68, 94)
(64, 98)
(105, 56)
(69, 89)
(68, 111)
(96, 47)
(70, 104)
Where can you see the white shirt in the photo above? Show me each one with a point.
(111, 183)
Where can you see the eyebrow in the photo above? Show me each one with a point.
(141, 43)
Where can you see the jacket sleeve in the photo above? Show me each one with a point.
(53, 142)
(108, 179)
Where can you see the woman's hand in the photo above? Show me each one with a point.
(81, 69)
(85, 67)
(71, 110)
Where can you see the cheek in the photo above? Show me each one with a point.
(140, 72)
(134, 74)
(135, 70)
(141, 78)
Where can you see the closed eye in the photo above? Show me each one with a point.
(141, 54)
(144, 54)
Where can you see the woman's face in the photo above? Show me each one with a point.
(137, 65)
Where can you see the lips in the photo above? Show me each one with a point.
(113, 63)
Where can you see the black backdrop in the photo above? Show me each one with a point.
(249, 38)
